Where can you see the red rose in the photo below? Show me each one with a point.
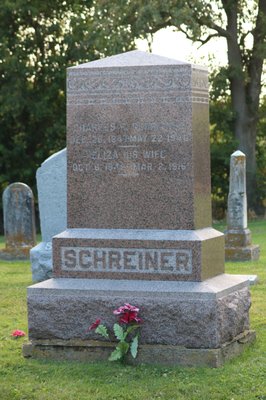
(94, 325)
(129, 316)
(18, 333)
(126, 307)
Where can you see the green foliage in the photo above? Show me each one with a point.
(120, 352)
(34, 53)
(116, 355)
(235, 111)
(261, 155)
(119, 332)
(101, 330)
(134, 346)
(223, 143)
(38, 41)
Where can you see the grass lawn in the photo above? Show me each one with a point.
(243, 378)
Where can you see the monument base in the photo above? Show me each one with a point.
(166, 355)
(137, 254)
(238, 246)
(248, 253)
(195, 317)
(15, 254)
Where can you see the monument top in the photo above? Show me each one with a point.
(138, 144)
(133, 58)
(238, 153)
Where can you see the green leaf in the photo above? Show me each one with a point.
(131, 329)
(134, 346)
(101, 330)
(116, 355)
(119, 332)
(124, 347)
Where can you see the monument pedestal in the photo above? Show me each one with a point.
(197, 323)
(238, 246)
(189, 255)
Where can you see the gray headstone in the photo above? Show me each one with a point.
(51, 185)
(238, 245)
(19, 220)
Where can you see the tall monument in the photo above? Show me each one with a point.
(139, 219)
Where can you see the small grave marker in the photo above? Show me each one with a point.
(19, 221)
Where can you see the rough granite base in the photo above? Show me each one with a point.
(91, 351)
(195, 315)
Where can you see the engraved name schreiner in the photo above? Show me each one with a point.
(160, 261)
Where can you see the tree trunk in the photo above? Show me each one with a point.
(245, 99)
(247, 144)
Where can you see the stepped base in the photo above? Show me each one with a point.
(94, 351)
(181, 319)
(248, 253)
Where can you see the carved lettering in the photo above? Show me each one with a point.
(69, 259)
(84, 256)
(129, 260)
(114, 259)
(161, 261)
(99, 259)
(166, 258)
(154, 154)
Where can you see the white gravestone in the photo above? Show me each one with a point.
(51, 185)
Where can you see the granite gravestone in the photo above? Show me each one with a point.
(238, 245)
(51, 186)
(19, 221)
(138, 160)
(139, 220)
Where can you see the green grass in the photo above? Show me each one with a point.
(243, 378)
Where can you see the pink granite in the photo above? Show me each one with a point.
(138, 144)
(139, 217)
(138, 160)
(147, 254)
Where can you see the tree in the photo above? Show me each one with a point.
(38, 41)
(35, 49)
(240, 22)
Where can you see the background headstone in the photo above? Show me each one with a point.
(238, 245)
(19, 221)
(139, 220)
(51, 186)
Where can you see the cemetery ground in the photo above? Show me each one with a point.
(25, 379)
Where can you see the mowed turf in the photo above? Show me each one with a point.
(243, 378)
